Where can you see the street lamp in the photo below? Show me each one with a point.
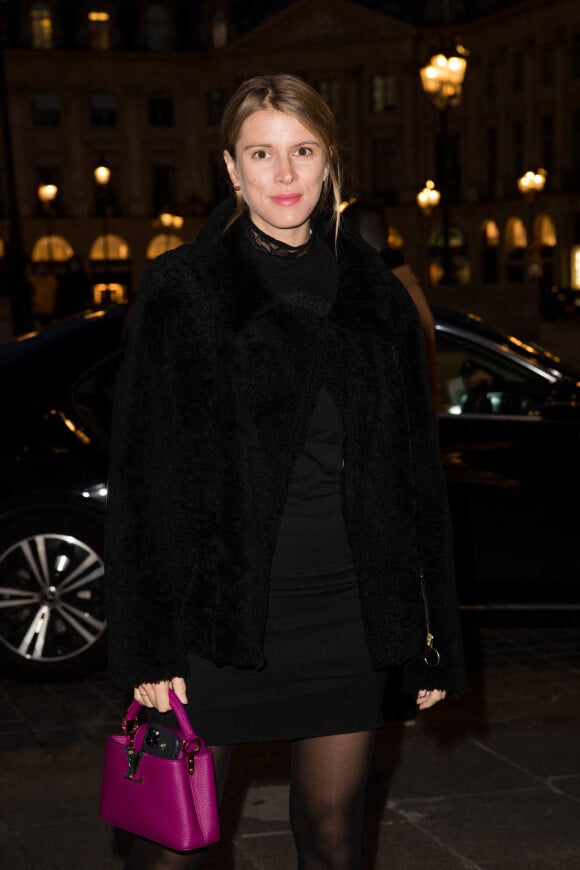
(47, 194)
(102, 175)
(442, 81)
(427, 200)
(530, 185)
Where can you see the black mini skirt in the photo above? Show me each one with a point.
(318, 678)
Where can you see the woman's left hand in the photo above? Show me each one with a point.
(429, 697)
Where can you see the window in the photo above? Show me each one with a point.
(162, 187)
(103, 109)
(99, 30)
(216, 101)
(219, 29)
(45, 110)
(516, 242)
(547, 135)
(160, 112)
(329, 90)
(491, 161)
(491, 80)
(383, 93)
(547, 65)
(518, 71)
(384, 162)
(474, 380)
(490, 251)
(518, 148)
(157, 35)
(41, 25)
(575, 56)
(92, 395)
(575, 149)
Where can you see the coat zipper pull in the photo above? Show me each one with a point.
(431, 656)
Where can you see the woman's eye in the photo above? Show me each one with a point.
(260, 155)
(304, 151)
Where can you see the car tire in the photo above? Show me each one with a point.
(52, 600)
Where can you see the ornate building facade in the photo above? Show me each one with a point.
(139, 87)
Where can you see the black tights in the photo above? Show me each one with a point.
(327, 797)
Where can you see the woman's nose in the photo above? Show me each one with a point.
(284, 170)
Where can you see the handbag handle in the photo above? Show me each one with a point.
(184, 724)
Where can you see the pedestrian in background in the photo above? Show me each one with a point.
(278, 532)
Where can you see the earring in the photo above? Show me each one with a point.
(236, 187)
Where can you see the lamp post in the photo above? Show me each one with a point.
(427, 199)
(102, 175)
(530, 185)
(442, 81)
(47, 194)
(15, 257)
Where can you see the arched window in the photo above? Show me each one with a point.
(489, 252)
(515, 234)
(41, 25)
(219, 29)
(545, 241)
(544, 231)
(51, 249)
(458, 249)
(157, 35)
(516, 242)
(161, 243)
(109, 247)
(575, 267)
(110, 268)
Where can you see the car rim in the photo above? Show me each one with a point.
(51, 598)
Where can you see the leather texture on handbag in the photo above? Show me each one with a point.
(170, 801)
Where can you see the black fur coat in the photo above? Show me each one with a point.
(212, 404)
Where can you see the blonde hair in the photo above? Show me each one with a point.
(293, 96)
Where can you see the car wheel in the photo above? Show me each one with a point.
(52, 609)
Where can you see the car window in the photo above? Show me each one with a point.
(92, 395)
(472, 379)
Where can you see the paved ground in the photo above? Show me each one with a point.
(491, 782)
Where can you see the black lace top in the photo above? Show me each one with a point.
(312, 546)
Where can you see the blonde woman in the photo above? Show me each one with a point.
(278, 531)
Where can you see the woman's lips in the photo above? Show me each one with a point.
(287, 198)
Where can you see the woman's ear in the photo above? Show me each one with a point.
(232, 172)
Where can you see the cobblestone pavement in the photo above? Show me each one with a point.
(489, 782)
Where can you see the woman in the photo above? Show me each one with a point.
(278, 532)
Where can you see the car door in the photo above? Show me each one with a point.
(512, 473)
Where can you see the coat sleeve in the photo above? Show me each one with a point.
(433, 523)
(158, 409)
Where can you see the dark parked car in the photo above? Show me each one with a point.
(509, 420)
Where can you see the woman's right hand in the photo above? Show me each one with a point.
(157, 694)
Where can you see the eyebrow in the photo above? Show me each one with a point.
(269, 145)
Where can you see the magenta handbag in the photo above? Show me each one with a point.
(172, 801)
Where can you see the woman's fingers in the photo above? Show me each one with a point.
(154, 695)
(429, 697)
(179, 687)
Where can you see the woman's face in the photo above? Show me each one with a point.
(280, 167)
